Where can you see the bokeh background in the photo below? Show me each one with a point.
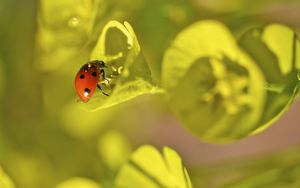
(46, 138)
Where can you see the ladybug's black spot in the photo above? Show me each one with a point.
(94, 74)
(81, 76)
(87, 90)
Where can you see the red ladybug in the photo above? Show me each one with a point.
(87, 78)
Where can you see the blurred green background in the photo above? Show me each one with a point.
(46, 138)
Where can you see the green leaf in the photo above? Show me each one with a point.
(5, 181)
(276, 51)
(214, 88)
(148, 168)
(128, 74)
(78, 182)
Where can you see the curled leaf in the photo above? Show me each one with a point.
(214, 88)
(148, 168)
(127, 72)
(276, 50)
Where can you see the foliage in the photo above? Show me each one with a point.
(217, 79)
(243, 88)
(128, 74)
(219, 67)
(275, 49)
(148, 168)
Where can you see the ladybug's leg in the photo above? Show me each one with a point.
(98, 86)
(103, 75)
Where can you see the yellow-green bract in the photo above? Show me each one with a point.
(148, 168)
(214, 87)
(118, 47)
(223, 92)
(276, 50)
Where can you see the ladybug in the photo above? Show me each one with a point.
(87, 79)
